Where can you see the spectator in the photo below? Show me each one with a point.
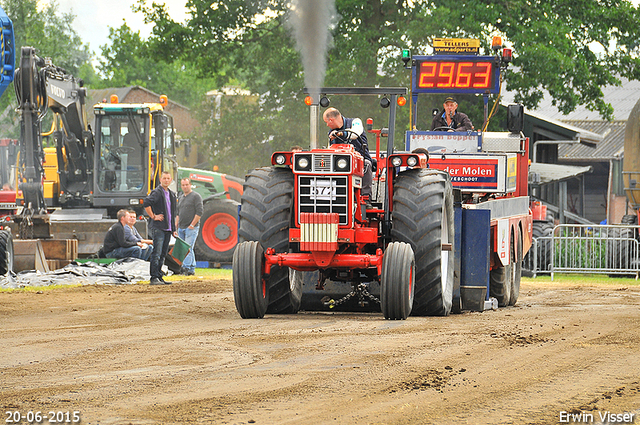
(132, 234)
(188, 222)
(115, 245)
(161, 207)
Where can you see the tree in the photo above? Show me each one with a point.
(53, 36)
(129, 60)
(50, 32)
(555, 48)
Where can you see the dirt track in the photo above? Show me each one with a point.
(181, 354)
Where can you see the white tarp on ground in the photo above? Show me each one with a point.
(125, 271)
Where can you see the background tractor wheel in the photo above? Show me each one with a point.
(544, 230)
(249, 289)
(6, 252)
(218, 231)
(621, 246)
(423, 217)
(397, 281)
(265, 217)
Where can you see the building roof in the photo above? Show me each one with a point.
(612, 147)
(623, 98)
(562, 128)
(99, 95)
(541, 173)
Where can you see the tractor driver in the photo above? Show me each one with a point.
(356, 137)
(450, 119)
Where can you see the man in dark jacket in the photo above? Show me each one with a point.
(356, 137)
(450, 119)
(116, 245)
(160, 205)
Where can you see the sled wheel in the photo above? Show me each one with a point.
(517, 270)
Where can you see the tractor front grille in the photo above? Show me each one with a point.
(322, 163)
(324, 194)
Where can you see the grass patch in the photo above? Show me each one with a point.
(38, 288)
(209, 273)
(582, 279)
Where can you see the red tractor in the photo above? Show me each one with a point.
(306, 213)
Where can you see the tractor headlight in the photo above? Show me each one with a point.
(303, 162)
(341, 163)
(412, 161)
(281, 159)
(396, 161)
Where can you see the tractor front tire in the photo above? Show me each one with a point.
(249, 287)
(218, 234)
(423, 217)
(6, 252)
(265, 217)
(397, 281)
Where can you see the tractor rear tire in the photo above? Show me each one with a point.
(397, 281)
(218, 234)
(6, 252)
(249, 288)
(265, 217)
(423, 217)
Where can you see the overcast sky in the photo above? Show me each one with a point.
(93, 18)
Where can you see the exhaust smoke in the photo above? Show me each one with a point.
(310, 21)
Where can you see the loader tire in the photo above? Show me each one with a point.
(6, 252)
(423, 217)
(265, 217)
(218, 233)
(397, 281)
(249, 288)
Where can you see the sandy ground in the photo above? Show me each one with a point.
(180, 354)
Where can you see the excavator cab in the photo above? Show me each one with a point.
(134, 143)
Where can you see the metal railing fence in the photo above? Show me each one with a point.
(579, 248)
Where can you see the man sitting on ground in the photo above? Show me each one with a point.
(115, 245)
(132, 234)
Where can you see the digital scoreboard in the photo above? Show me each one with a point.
(456, 74)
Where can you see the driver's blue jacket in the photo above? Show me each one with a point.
(360, 143)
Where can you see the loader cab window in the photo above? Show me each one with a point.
(122, 139)
(162, 145)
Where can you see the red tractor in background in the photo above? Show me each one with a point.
(306, 213)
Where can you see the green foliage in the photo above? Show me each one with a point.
(128, 60)
(553, 42)
(52, 34)
(49, 31)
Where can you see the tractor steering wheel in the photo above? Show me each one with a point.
(443, 129)
(344, 136)
(123, 149)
